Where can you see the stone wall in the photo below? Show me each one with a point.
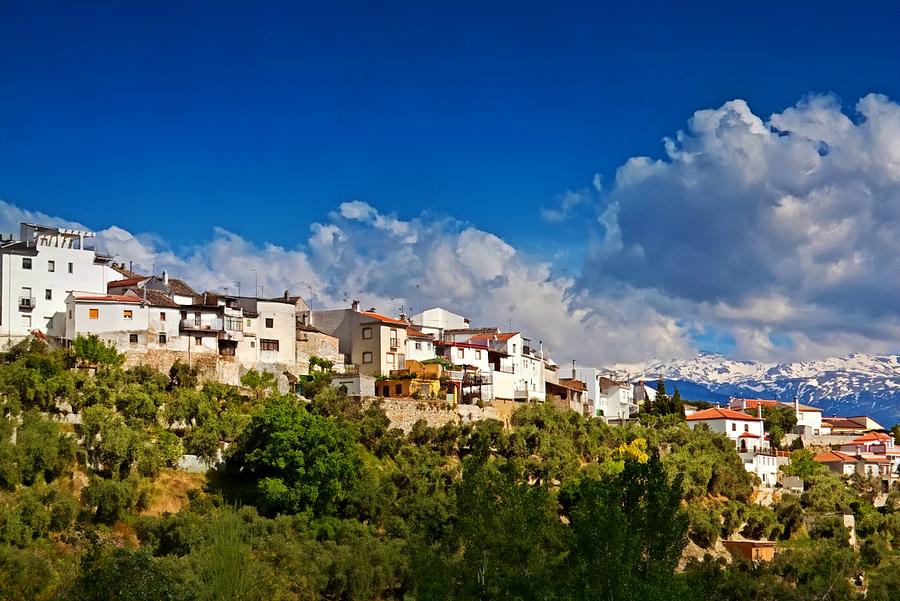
(210, 367)
(404, 413)
(817, 441)
(316, 344)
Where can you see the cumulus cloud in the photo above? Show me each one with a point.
(786, 226)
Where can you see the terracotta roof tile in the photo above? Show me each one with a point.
(384, 318)
(720, 413)
(106, 298)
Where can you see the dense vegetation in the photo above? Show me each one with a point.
(323, 500)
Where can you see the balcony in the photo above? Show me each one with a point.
(393, 344)
(195, 325)
(26, 303)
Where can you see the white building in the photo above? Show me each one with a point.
(435, 321)
(749, 436)
(515, 354)
(38, 271)
(746, 431)
(609, 399)
(419, 345)
(809, 419)
(130, 322)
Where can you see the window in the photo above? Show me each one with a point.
(268, 345)
(418, 346)
(514, 349)
(478, 354)
(71, 268)
(367, 357)
(26, 321)
(93, 313)
(51, 266)
(70, 313)
(252, 344)
(26, 263)
(162, 338)
(249, 323)
(162, 315)
(367, 333)
(198, 340)
(734, 427)
(460, 353)
(389, 358)
(127, 314)
(132, 338)
(746, 427)
(270, 322)
(48, 294)
(398, 389)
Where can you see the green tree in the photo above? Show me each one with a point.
(262, 383)
(628, 534)
(301, 461)
(91, 350)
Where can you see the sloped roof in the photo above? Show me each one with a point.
(126, 282)
(721, 413)
(748, 435)
(488, 338)
(158, 299)
(871, 437)
(105, 298)
(414, 333)
(181, 288)
(754, 403)
(834, 457)
(384, 318)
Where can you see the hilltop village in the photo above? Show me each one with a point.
(212, 445)
(434, 365)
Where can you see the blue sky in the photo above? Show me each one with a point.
(263, 119)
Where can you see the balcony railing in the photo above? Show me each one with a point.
(393, 343)
(213, 325)
(26, 302)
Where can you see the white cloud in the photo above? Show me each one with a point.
(767, 228)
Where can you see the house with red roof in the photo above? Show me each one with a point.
(809, 419)
(749, 436)
(745, 430)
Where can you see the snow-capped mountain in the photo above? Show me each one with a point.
(858, 384)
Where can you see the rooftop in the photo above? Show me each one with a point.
(721, 413)
(384, 318)
(105, 298)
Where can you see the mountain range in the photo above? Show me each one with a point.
(858, 384)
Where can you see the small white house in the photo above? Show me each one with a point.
(746, 431)
(419, 345)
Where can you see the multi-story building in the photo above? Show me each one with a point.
(372, 343)
(130, 321)
(809, 419)
(37, 272)
(515, 353)
(270, 331)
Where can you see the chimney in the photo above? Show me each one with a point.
(286, 295)
(131, 267)
(355, 305)
(796, 404)
(743, 404)
(165, 277)
(759, 410)
(573, 369)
